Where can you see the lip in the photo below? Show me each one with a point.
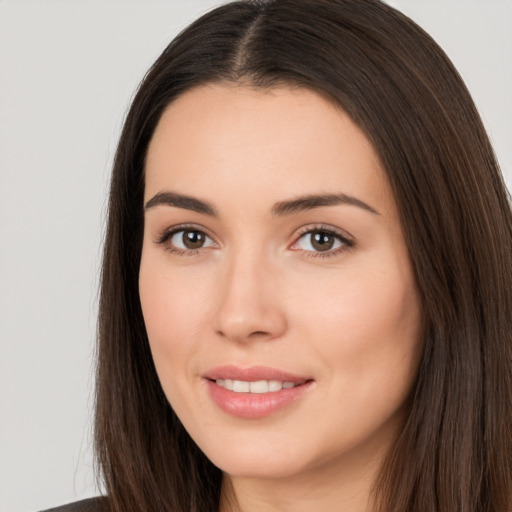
(252, 405)
(253, 373)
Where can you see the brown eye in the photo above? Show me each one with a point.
(193, 239)
(322, 241)
(190, 239)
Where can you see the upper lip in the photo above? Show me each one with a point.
(252, 374)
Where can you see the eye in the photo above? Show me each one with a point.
(190, 239)
(319, 241)
(186, 240)
(322, 242)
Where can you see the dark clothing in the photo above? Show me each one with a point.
(98, 504)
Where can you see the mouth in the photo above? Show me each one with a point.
(254, 392)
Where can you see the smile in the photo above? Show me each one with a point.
(259, 386)
(255, 392)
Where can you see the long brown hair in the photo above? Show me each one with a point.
(455, 450)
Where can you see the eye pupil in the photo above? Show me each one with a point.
(193, 239)
(322, 241)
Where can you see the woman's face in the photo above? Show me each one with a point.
(276, 287)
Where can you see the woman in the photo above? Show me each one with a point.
(307, 277)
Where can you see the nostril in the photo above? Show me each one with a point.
(259, 335)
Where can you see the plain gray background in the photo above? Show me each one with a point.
(68, 69)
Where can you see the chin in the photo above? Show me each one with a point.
(267, 458)
(262, 467)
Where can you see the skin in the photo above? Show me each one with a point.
(259, 293)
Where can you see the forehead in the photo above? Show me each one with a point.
(267, 143)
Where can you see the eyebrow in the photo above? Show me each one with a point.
(280, 209)
(309, 202)
(181, 201)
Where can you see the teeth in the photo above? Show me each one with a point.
(259, 386)
(275, 385)
(240, 386)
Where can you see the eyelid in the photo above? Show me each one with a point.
(175, 228)
(325, 227)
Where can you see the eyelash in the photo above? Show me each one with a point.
(346, 241)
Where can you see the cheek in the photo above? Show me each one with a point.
(171, 300)
(174, 308)
(360, 302)
(367, 325)
(368, 338)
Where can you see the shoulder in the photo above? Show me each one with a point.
(99, 504)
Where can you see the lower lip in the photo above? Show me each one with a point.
(255, 405)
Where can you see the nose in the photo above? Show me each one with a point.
(248, 306)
